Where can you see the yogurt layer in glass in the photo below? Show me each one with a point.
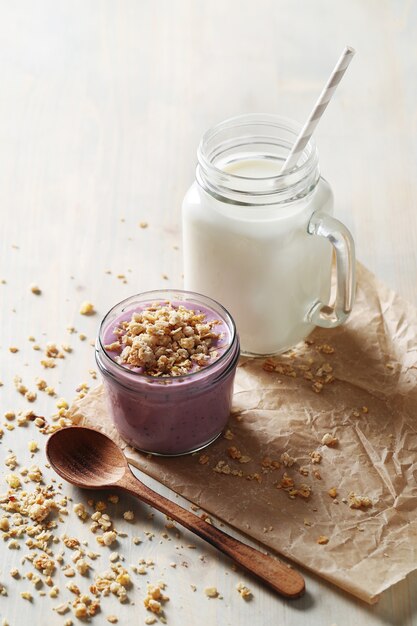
(176, 412)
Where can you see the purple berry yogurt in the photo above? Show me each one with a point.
(169, 414)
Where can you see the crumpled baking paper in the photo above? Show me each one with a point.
(370, 408)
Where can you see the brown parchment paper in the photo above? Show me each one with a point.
(375, 366)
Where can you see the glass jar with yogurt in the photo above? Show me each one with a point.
(159, 411)
(262, 242)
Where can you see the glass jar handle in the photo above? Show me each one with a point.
(331, 315)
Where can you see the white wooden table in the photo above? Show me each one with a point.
(102, 104)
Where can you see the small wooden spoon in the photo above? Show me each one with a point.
(87, 458)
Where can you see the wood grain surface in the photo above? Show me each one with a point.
(102, 104)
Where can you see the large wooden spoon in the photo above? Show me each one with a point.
(87, 458)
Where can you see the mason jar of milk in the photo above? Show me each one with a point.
(261, 242)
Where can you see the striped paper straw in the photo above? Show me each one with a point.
(319, 108)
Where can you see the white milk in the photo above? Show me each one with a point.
(258, 260)
(253, 168)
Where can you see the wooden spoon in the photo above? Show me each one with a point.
(87, 458)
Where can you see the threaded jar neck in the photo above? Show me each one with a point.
(255, 138)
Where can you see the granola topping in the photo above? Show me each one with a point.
(165, 339)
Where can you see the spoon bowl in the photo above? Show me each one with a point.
(85, 457)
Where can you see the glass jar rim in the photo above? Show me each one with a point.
(236, 188)
(254, 118)
(144, 296)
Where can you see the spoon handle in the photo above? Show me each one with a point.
(281, 577)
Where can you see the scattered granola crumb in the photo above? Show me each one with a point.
(358, 502)
(61, 609)
(47, 363)
(87, 308)
(287, 460)
(129, 516)
(20, 387)
(13, 481)
(35, 289)
(52, 351)
(82, 566)
(322, 540)
(69, 572)
(286, 481)
(234, 453)
(143, 224)
(79, 509)
(329, 440)
(325, 348)
(109, 537)
(317, 387)
(315, 457)
(44, 564)
(33, 446)
(112, 619)
(203, 459)
(13, 349)
(80, 610)
(222, 468)
(26, 596)
(154, 598)
(211, 592)
(270, 464)
(244, 591)
(31, 396)
(332, 492)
